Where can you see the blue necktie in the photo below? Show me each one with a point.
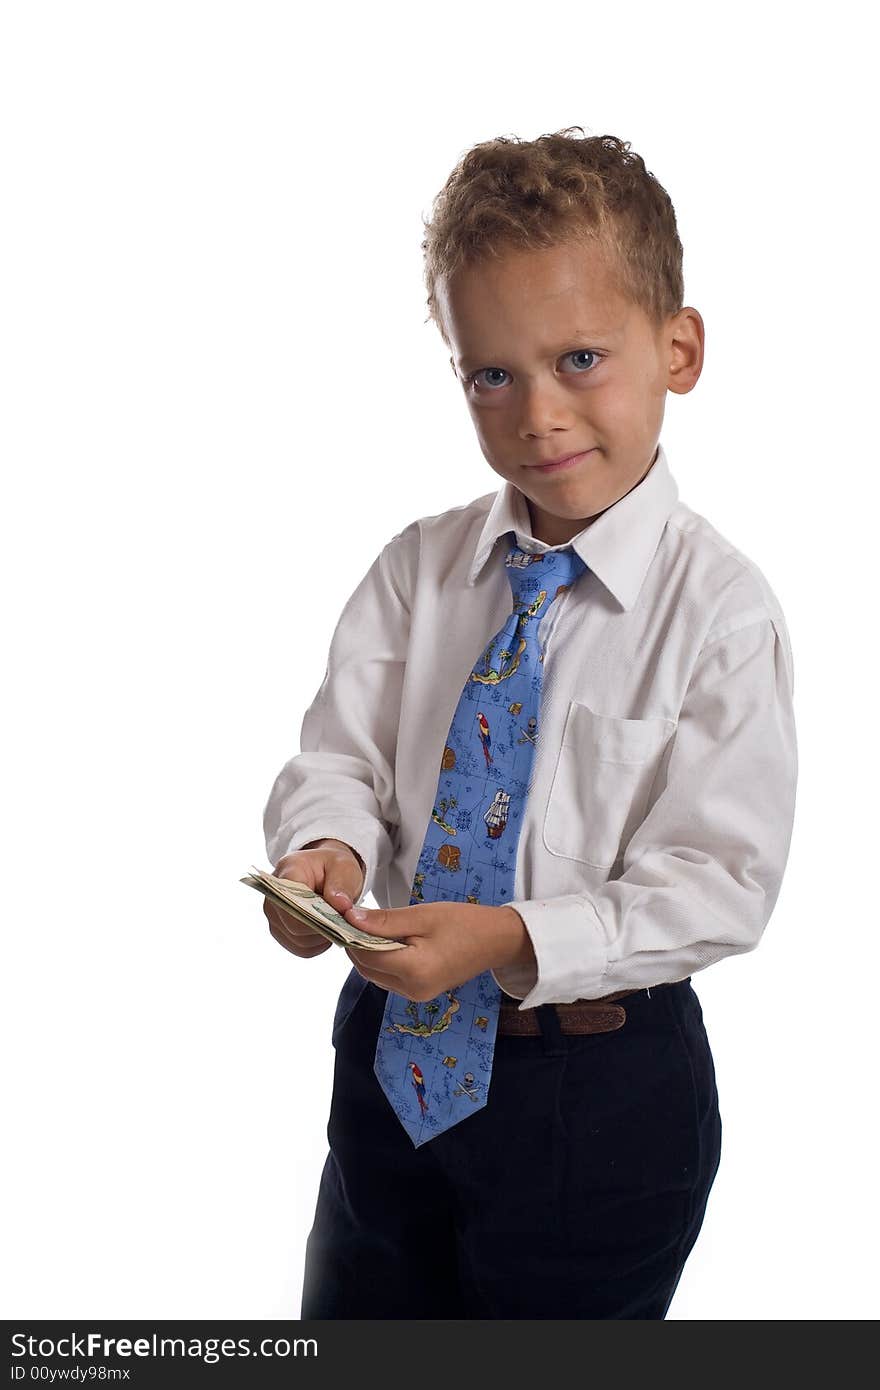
(434, 1059)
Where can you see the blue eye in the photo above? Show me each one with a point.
(577, 352)
(583, 352)
(473, 376)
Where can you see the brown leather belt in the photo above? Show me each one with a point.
(581, 1016)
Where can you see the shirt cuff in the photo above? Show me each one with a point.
(570, 953)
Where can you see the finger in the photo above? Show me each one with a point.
(298, 936)
(286, 921)
(294, 936)
(303, 949)
(367, 968)
(288, 924)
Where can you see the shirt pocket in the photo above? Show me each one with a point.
(604, 773)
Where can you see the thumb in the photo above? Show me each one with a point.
(393, 922)
(375, 920)
(340, 887)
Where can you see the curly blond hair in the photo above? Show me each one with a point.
(511, 194)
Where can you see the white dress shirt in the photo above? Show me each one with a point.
(656, 831)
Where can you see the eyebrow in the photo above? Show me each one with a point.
(469, 360)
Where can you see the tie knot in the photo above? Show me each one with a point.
(547, 572)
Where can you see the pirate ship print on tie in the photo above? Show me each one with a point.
(496, 816)
(469, 855)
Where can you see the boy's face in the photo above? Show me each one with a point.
(554, 361)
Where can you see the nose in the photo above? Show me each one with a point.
(543, 407)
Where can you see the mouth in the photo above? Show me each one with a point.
(557, 465)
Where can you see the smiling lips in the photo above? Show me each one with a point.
(565, 461)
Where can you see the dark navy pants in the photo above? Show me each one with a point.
(578, 1191)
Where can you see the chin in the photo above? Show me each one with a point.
(572, 508)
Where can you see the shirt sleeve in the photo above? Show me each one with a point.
(702, 872)
(341, 783)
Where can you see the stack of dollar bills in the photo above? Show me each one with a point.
(313, 911)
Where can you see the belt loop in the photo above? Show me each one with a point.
(551, 1032)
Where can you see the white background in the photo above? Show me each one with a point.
(215, 369)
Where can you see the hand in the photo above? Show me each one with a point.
(447, 944)
(330, 868)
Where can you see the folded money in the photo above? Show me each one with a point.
(313, 911)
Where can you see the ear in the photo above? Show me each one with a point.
(686, 346)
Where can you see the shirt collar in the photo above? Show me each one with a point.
(618, 546)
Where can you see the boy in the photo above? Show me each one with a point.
(524, 1121)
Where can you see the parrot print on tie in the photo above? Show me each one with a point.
(485, 736)
(419, 1083)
